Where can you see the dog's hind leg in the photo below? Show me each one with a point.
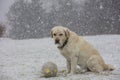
(94, 65)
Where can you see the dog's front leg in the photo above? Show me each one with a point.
(68, 66)
(73, 64)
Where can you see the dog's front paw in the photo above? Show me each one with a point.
(63, 73)
(83, 71)
(70, 74)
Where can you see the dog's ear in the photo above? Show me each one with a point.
(67, 33)
(51, 33)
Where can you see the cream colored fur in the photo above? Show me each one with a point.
(78, 51)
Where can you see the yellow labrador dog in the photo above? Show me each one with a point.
(78, 51)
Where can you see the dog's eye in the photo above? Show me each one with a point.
(60, 34)
(54, 34)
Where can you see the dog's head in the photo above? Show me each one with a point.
(60, 35)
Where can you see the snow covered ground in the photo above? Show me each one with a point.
(23, 59)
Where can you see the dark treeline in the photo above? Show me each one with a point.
(35, 18)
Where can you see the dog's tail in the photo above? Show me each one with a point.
(110, 67)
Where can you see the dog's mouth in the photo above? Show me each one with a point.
(61, 46)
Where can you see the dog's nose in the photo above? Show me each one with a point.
(56, 41)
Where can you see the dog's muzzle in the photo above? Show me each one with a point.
(57, 41)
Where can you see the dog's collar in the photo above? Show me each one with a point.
(65, 43)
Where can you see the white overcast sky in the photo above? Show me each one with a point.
(4, 7)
